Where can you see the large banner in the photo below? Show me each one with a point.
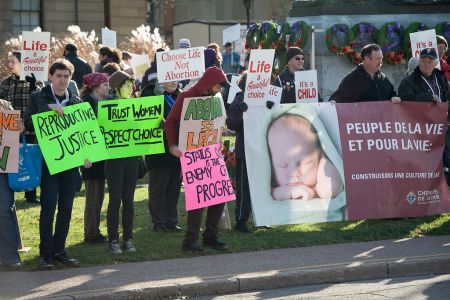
(202, 120)
(9, 141)
(68, 140)
(131, 127)
(181, 64)
(205, 177)
(320, 162)
(35, 55)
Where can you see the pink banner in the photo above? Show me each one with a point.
(205, 177)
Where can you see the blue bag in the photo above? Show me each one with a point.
(30, 167)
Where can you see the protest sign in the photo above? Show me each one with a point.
(35, 55)
(131, 126)
(109, 38)
(139, 64)
(239, 48)
(205, 177)
(318, 162)
(202, 120)
(306, 89)
(231, 34)
(234, 88)
(68, 140)
(274, 94)
(9, 141)
(181, 64)
(258, 76)
(421, 40)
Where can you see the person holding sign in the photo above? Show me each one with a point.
(57, 190)
(96, 88)
(9, 238)
(209, 85)
(231, 60)
(366, 82)
(121, 175)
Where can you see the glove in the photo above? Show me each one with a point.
(32, 81)
(243, 106)
(270, 104)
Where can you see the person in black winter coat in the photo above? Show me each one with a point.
(81, 66)
(164, 180)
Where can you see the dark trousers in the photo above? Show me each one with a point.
(56, 190)
(9, 238)
(95, 193)
(194, 221)
(163, 191)
(243, 203)
(121, 175)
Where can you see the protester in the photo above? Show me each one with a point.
(216, 48)
(231, 59)
(366, 82)
(151, 73)
(107, 55)
(209, 85)
(18, 92)
(442, 49)
(295, 62)
(9, 237)
(96, 88)
(121, 175)
(235, 122)
(57, 190)
(81, 66)
(164, 170)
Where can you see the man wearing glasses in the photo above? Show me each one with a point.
(295, 62)
(366, 82)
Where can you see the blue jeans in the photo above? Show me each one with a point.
(58, 189)
(9, 238)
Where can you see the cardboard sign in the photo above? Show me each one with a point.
(205, 177)
(180, 64)
(239, 47)
(421, 40)
(202, 121)
(109, 38)
(306, 88)
(275, 94)
(9, 141)
(259, 75)
(131, 126)
(139, 64)
(231, 34)
(234, 89)
(35, 55)
(68, 140)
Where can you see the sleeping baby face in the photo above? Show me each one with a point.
(295, 151)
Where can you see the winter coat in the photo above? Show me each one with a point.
(286, 80)
(235, 122)
(81, 67)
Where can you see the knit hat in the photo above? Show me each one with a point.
(293, 51)
(429, 52)
(71, 48)
(210, 57)
(184, 43)
(118, 78)
(93, 79)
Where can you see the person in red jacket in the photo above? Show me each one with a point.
(209, 84)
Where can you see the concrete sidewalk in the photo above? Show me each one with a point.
(227, 273)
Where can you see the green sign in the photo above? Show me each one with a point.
(131, 126)
(68, 140)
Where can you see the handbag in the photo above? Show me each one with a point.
(142, 168)
(30, 168)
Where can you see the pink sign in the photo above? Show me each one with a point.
(205, 178)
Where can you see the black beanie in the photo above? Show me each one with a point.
(293, 51)
(71, 48)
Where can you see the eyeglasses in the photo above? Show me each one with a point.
(299, 58)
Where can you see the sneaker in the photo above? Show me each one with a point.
(192, 247)
(114, 247)
(64, 259)
(215, 244)
(129, 246)
(46, 262)
(242, 227)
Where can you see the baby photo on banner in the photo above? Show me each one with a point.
(294, 164)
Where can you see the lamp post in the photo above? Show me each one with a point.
(248, 5)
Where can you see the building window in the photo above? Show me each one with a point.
(25, 15)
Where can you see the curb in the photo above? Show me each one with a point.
(337, 273)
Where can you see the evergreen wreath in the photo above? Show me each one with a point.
(389, 37)
(253, 37)
(299, 34)
(337, 38)
(361, 34)
(269, 34)
(444, 30)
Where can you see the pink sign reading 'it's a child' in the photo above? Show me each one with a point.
(205, 178)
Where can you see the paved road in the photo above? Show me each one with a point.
(411, 288)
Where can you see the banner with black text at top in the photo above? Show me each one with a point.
(205, 177)
(201, 123)
(393, 159)
(67, 140)
(131, 127)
